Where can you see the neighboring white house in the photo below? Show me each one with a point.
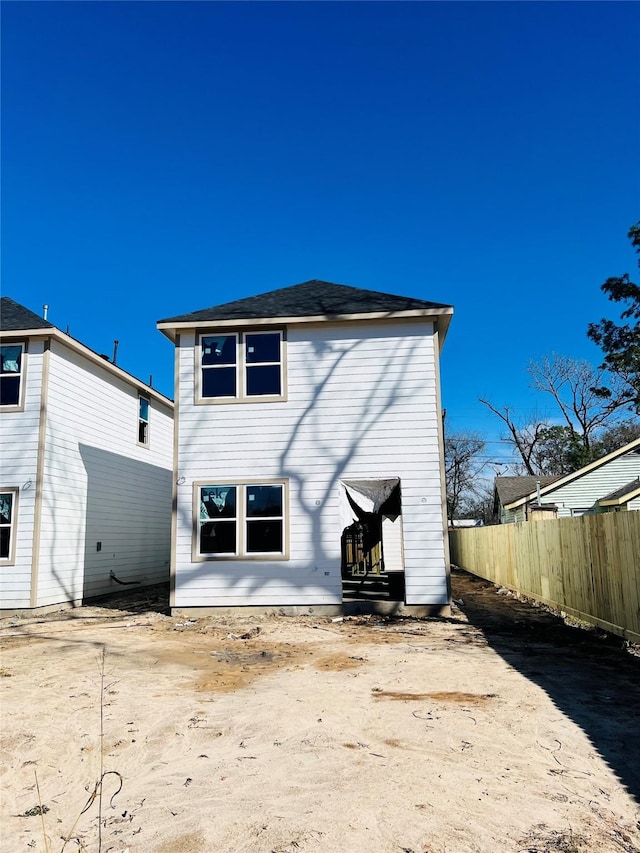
(309, 445)
(86, 458)
(610, 484)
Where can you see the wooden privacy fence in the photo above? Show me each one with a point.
(588, 567)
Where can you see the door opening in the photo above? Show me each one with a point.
(371, 545)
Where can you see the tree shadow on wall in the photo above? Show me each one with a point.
(311, 438)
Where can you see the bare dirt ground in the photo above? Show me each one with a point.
(500, 729)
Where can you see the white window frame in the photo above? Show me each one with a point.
(242, 520)
(146, 421)
(242, 366)
(20, 375)
(9, 560)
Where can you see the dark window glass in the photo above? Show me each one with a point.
(142, 432)
(218, 502)
(219, 349)
(5, 540)
(261, 348)
(10, 358)
(218, 537)
(6, 504)
(264, 537)
(144, 409)
(263, 380)
(219, 382)
(264, 501)
(9, 390)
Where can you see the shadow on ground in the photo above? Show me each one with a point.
(590, 676)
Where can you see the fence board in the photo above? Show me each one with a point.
(587, 566)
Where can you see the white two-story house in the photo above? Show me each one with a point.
(308, 448)
(86, 457)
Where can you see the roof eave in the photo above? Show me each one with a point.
(623, 499)
(91, 355)
(441, 317)
(27, 333)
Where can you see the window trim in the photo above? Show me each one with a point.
(241, 367)
(19, 406)
(242, 554)
(141, 420)
(13, 525)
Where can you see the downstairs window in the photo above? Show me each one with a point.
(241, 520)
(7, 524)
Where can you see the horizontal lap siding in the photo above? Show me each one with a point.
(585, 491)
(18, 464)
(100, 486)
(362, 403)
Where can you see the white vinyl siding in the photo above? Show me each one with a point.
(19, 462)
(100, 485)
(362, 403)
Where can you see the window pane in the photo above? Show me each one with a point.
(262, 348)
(264, 501)
(6, 503)
(219, 349)
(219, 382)
(144, 408)
(263, 380)
(264, 537)
(217, 502)
(10, 358)
(9, 390)
(218, 537)
(5, 541)
(142, 432)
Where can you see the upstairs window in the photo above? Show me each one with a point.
(243, 366)
(219, 365)
(143, 421)
(11, 362)
(7, 525)
(238, 520)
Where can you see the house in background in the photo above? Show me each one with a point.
(309, 449)
(610, 484)
(86, 457)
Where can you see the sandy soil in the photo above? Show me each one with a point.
(500, 729)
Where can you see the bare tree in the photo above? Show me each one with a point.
(573, 384)
(463, 466)
(525, 438)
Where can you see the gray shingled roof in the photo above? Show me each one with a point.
(623, 491)
(309, 299)
(513, 488)
(16, 318)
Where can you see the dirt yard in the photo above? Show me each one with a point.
(500, 729)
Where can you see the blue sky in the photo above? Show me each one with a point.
(159, 158)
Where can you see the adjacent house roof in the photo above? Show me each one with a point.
(511, 488)
(632, 447)
(16, 318)
(622, 495)
(19, 323)
(317, 300)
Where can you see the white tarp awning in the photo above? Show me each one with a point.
(367, 495)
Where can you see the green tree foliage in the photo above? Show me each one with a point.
(620, 342)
